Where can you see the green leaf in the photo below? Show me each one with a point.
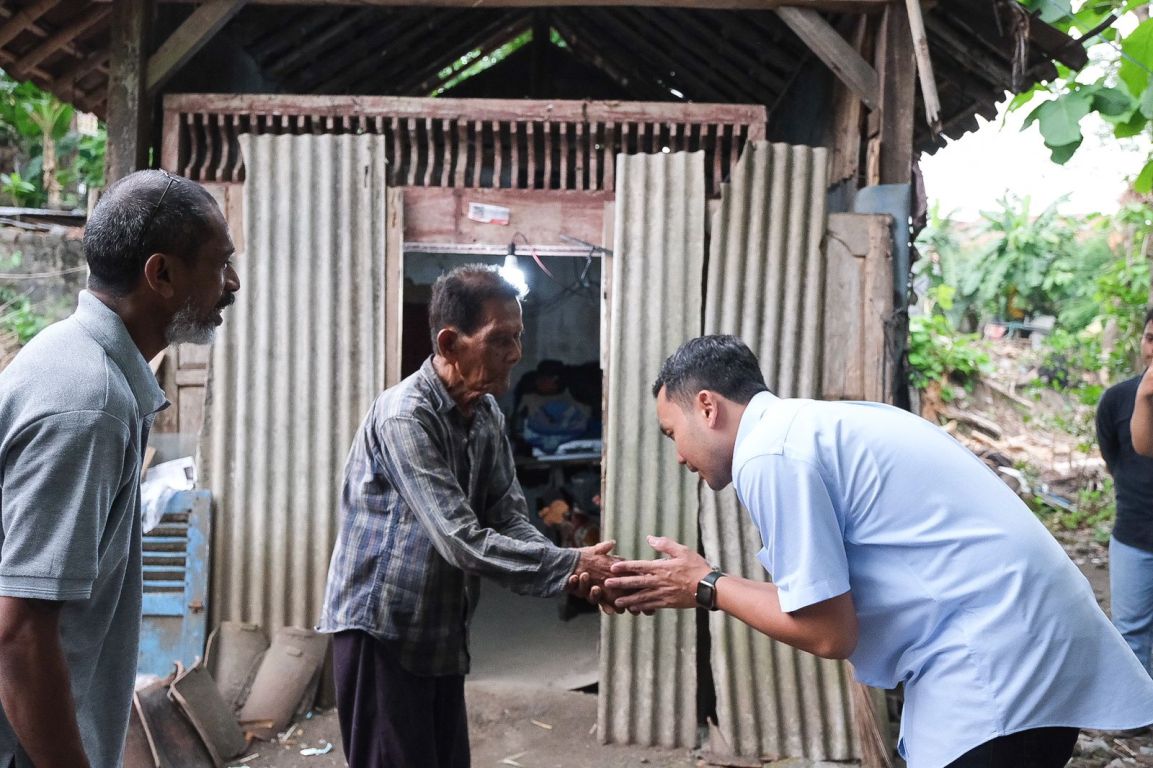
(1147, 101)
(1023, 98)
(1032, 116)
(1055, 10)
(1112, 102)
(1144, 183)
(1060, 119)
(1131, 127)
(1138, 58)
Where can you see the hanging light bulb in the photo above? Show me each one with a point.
(512, 273)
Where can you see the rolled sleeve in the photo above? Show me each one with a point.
(61, 475)
(434, 495)
(803, 546)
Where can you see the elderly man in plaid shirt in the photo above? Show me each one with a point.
(431, 503)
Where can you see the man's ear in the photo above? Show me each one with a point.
(707, 406)
(446, 340)
(158, 275)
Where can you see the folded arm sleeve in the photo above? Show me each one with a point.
(804, 548)
(61, 476)
(414, 466)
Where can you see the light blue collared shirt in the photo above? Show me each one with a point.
(961, 593)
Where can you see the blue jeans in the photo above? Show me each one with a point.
(1131, 588)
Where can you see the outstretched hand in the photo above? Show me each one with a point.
(593, 567)
(668, 582)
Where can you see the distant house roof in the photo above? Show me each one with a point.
(641, 53)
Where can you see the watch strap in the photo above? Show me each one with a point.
(707, 589)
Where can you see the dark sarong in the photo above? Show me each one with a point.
(391, 718)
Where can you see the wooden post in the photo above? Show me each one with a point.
(128, 104)
(891, 147)
(845, 133)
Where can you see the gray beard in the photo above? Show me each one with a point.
(186, 328)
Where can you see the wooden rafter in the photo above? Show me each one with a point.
(189, 38)
(313, 47)
(23, 19)
(704, 49)
(290, 32)
(485, 41)
(9, 60)
(835, 52)
(738, 43)
(623, 73)
(59, 39)
(657, 59)
(366, 47)
(66, 81)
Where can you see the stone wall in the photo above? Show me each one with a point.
(53, 261)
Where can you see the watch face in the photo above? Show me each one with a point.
(706, 595)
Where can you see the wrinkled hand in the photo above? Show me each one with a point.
(606, 598)
(593, 567)
(670, 582)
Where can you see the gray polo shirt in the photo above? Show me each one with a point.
(75, 408)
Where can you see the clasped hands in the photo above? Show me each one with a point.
(617, 585)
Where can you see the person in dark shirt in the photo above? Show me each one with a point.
(1131, 546)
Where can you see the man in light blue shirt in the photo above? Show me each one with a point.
(893, 546)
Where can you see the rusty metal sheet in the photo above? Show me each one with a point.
(648, 664)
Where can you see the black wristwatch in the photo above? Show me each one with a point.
(707, 589)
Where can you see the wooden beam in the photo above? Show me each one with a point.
(621, 70)
(8, 60)
(313, 47)
(58, 40)
(473, 109)
(93, 62)
(189, 38)
(893, 162)
(24, 19)
(845, 135)
(127, 110)
(67, 84)
(837, 54)
(929, 97)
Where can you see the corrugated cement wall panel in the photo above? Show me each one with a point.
(765, 284)
(648, 663)
(297, 365)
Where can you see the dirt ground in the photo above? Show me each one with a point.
(517, 724)
(510, 725)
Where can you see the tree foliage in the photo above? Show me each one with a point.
(1089, 273)
(1117, 85)
(46, 160)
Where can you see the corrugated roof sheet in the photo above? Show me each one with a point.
(765, 284)
(648, 664)
(296, 367)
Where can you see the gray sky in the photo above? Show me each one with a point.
(971, 174)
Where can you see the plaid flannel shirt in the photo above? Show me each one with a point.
(430, 504)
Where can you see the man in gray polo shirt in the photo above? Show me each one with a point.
(76, 406)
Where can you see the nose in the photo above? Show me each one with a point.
(231, 279)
